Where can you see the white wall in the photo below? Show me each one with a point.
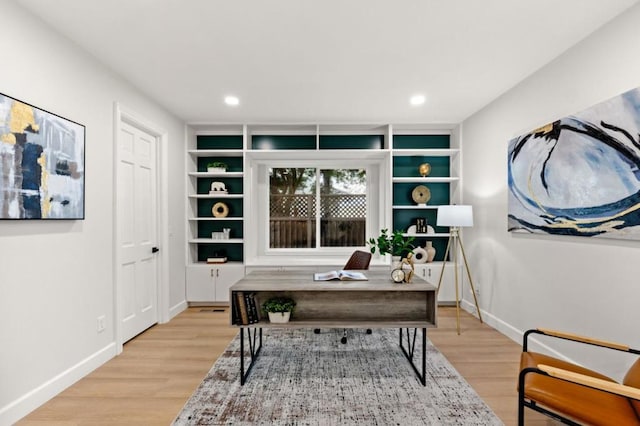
(56, 276)
(582, 285)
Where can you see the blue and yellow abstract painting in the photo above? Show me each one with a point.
(579, 175)
(41, 163)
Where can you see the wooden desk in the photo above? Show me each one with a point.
(375, 303)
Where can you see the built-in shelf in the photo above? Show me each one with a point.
(203, 196)
(210, 282)
(217, 175)
(436, 235)
(218, 241)
(195, 219)
(401, 149)
(425, 152)
(411, 149)
(415, 207)
(215, 152)
(425, 179)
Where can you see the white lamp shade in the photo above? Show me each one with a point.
(455, 215)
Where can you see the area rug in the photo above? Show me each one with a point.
(302, 378)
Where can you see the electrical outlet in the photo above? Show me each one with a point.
(101, 323)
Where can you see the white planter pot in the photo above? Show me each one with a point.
(216, 170)
(279, 317)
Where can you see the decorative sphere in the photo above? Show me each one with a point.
(424, 169)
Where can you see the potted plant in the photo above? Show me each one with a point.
(395, 244)
(279, 308)
(216, 167)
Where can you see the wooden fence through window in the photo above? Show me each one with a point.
(292, 220)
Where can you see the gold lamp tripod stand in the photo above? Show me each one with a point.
(456, 216)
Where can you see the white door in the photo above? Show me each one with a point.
(137, 275)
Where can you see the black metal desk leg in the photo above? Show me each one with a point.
(254, 351)
(241, 356)
(424, 357)
(410, 349)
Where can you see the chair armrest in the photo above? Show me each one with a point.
(592, 382)
(576, 338)
(584, 339)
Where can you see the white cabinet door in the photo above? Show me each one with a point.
(210, 283)
(431, 273)
(201, 284)
(226, 276)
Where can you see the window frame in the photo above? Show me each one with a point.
(317, 194)
(257, 203)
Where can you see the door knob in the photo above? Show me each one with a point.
(155, 250)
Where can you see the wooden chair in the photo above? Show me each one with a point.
(359, 260)
(573, 394)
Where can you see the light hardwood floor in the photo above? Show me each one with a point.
(151, 380)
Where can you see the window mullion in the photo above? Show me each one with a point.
(318, 209)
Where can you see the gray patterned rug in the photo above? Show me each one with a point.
(302, 378)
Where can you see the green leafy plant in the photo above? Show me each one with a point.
(394, 244)
(217, 164)
(279, 304)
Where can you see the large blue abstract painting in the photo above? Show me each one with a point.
(41, 163)
(579, 175)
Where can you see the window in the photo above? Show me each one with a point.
(307, 211)
(295, 221)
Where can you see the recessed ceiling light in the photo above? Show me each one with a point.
(231, 100)
(417, 100)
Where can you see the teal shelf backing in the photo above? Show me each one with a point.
(421, 142)
(233, 185)
(205, 228)
(440, 244)
(232, 251)
(408, 166)
(205, 205)
(234, 163)
(402, 219)
(402, 193)
(219, 142)
(351, 141)
(265, 142)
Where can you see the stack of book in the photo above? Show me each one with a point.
(245, 309)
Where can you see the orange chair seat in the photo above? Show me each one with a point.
(583, 404)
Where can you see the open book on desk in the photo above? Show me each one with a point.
(340, 275)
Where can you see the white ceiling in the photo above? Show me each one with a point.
(325, 61)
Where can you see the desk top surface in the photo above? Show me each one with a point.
(302, 280)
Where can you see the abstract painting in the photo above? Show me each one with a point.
(579, 175)
(41, 163)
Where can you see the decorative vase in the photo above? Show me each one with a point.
(424, 169)
(396, 262)
(431, 251)
(279, 317)
(420, 255)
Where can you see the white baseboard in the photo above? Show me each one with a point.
(176, 309)
(33, 399)
(513, 333)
